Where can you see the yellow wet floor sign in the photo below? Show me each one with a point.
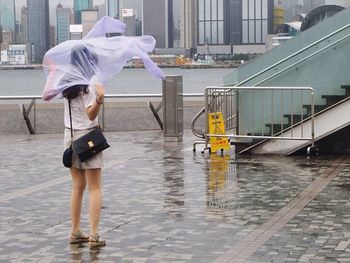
(217, 126)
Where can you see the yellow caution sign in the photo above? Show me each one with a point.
(217, 126)
(217, 172)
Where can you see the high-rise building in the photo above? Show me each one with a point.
(24, 25)
(38, 28)
(8, 15)
(158, 21)
(80, 5)
(188, 27)
(63, 15)
(88, 19)
(114, 8)
(226, 22)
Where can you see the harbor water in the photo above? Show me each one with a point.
(128, 81)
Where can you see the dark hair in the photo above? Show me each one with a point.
(74, 91)
(84, 59)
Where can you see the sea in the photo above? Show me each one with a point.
(30, 82)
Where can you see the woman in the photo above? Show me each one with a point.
(85, 104)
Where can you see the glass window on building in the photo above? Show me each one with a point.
(254, 21)
(210, 22)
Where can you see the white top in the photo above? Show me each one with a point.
(80, 121)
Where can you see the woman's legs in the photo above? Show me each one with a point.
(93, 178)
(78, 187)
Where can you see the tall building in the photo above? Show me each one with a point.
(63, 15)
(257, 20)
(8, 15)
(158, 21)
(24, 25)
(88, 18)
(114, 8)
(225, 22)
(38, 28)
(211, 22)
(188, 27)
(130, 21)
(80, 5)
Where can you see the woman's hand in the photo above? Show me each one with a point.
(93, 110)
(100, 92)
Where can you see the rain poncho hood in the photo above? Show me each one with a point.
(75, 62)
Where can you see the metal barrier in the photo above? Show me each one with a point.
(259, 113)
(35, 98)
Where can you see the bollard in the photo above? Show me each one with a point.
(172, 109)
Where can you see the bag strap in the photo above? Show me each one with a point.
(70, 118)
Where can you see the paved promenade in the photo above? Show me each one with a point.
(163, 203)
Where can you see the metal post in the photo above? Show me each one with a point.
(172, 108)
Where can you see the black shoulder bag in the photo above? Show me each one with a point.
(86, 146)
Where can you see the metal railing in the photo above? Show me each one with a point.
(31, 124)
(295, 54)
(260, 113)
(202, 135)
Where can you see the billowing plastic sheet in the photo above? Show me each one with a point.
(75, 62)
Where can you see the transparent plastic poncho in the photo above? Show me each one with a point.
(75, 62)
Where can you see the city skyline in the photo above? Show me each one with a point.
(132, 4)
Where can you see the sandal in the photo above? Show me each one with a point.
(95, 241)
(78, 237)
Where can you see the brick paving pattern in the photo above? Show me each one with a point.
(163, 203)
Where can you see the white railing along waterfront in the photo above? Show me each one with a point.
(34, 99)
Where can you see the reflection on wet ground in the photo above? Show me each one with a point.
(164, 203)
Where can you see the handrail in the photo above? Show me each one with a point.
(292, 55)
(113, 96)
(34, 98)
(202, 111)
(230, 112)
(280, 62)
(302, 60)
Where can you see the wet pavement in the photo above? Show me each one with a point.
(163, 203)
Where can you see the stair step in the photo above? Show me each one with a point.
(332, 99)
(347, 89)
(276, 127)
(296, 118)
(317, 108)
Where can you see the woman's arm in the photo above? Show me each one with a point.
(94, 109)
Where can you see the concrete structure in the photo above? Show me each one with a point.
(234, 22)
(13, 54)
(24, 25)
(63, 15)
(158, 21)
(88, 19)
(293, 7)
(188, 27)
(80, 5)
(130, 22)
(76, 32)
(112, 8)
(49, 117)
(7, 36)
(38, 27)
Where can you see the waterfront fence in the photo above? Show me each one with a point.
(29, 111)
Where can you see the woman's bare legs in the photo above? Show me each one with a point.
(93, 178)
(78, 187)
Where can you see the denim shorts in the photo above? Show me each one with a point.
(93, 163)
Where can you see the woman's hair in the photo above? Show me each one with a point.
(84, 59)
(75, 91)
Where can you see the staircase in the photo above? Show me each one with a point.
(318, 58)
